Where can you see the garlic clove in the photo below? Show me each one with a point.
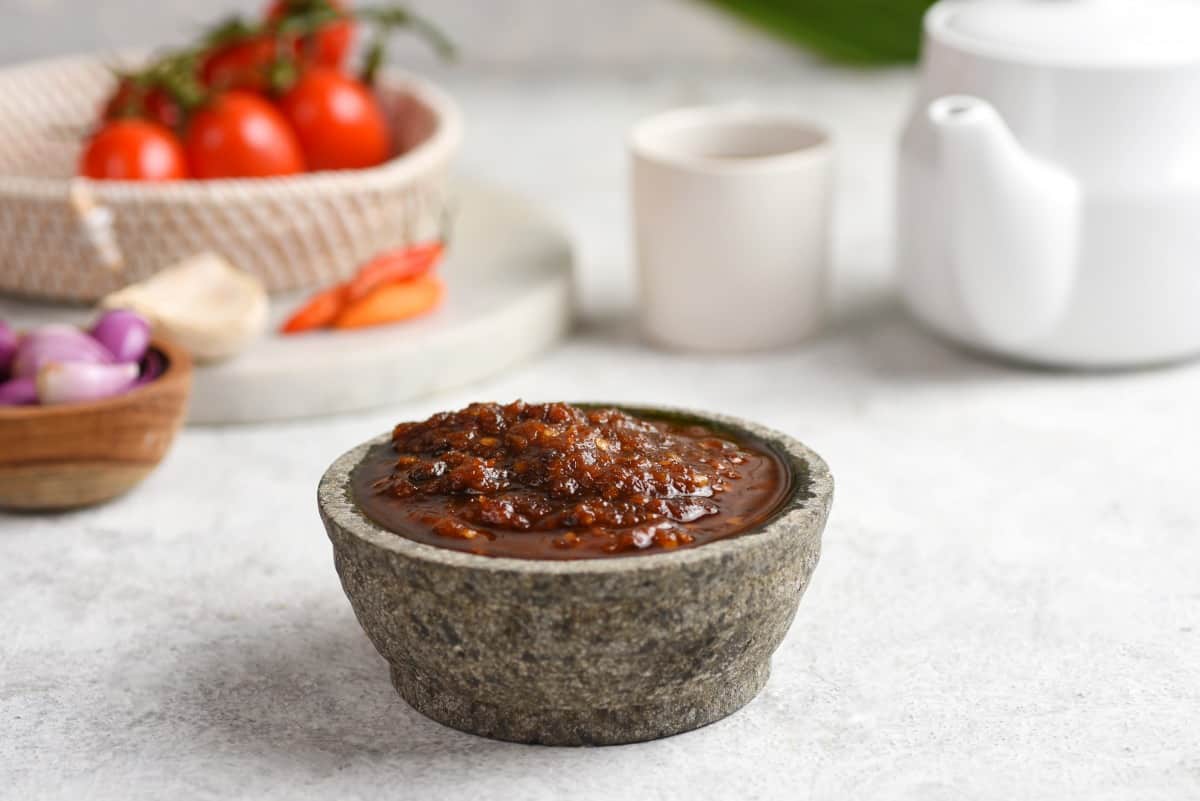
(203, 303)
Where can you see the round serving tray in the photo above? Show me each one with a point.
(508, 273)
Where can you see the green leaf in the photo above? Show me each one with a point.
(864, 32)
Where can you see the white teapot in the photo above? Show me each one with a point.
(1049, 180)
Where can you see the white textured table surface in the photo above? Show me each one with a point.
(1008, 605)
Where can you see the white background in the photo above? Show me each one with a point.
(1008, 605)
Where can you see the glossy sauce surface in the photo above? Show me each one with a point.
(553, 481)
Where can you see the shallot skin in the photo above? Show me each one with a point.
(56, 364)
(72, 382)
(56, 343)
(18, 392)
(125, 334)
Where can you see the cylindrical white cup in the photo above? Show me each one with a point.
(731, 218)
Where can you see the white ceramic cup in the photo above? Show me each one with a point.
(731, 218)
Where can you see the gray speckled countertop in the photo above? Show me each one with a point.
(1008, 605)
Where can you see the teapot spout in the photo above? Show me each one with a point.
(1012, 223)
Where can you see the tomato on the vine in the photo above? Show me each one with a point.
(240, 65)
(133, 150)
(133, 101)
(337, 120)
(241, 135)
(256, 98)
(247, 63)
(330, 45)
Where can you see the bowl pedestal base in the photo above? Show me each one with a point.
(705, 702)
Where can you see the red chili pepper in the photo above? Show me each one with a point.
(393, 267)
(401, 266)
(319, 312)
(393, 303)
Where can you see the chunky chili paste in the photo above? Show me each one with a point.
(554, 481)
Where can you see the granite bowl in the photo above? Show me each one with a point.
(586, 652)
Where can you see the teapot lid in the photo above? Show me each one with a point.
(1085, 32)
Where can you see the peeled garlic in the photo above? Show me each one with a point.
(203, 304)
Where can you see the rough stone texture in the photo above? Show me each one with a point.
(595, 652)
(1006, 608)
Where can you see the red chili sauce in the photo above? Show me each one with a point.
(554, 481)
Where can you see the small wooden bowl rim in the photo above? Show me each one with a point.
(177, 371)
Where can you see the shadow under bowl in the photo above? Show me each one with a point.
(79, 454)
(585, 652)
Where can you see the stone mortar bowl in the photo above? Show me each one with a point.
(587, 652)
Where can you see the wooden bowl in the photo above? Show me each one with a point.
(78, 454)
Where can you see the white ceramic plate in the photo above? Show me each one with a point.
(508, 274)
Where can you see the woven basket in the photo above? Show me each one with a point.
(296, 232)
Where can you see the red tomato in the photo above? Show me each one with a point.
(241, 135)
(247, 64)
(243, 65)
(131, 101)
(338, 121)
(134, 150)
(330, 45)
